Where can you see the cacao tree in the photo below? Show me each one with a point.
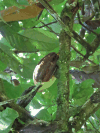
(49, 66)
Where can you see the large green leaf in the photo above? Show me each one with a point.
(21, 42)
(48, 95)
(42, 40)
(7, 118)
(56, 2)
(44, 115)
(17, 40)
(14, 91)
(9, 58)
(21, 66)
(82, 91)
(30, 39)
(35, 104)
(5, 42)
(29, 23)
(2, 66)
(14, 3)
(28, 68)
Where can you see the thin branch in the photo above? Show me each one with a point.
(85, 26)
(46, 24)
(82, 54)
(39, 15)
(21, 97)
(23, 114)
(27, 96)
(81, 41)
(55, 16)
(17, 52)
(51, 29)
(93, 126)
(86, 111)
(66, 28)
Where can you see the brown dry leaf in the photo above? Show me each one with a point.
(14, 13)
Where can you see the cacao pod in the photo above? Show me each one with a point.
(45, 68)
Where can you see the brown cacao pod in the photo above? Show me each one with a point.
(45, 68)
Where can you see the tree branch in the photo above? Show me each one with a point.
(89, 108)
(55, 16)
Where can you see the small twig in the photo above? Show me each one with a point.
(55, 16)
(39, 15)
(17, 52)
(82, 10)
(50, 29)
(82, 54)
(93, 126)
(46, 24)
(81, 41)
(85, 26)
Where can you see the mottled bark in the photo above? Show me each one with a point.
(67, 17)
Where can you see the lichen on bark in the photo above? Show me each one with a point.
(63, 81)
(63, 63)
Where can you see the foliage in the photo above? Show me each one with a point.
(22, 45)
(7, 118)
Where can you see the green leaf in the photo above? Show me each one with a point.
(23, 2)
(43, 40)
(13, 3)
(56, 27)
(39, 98)
(77, 27)
(28, 23)
(93, 120)
(52, 110)
(56, 2)
(98, 113)
(4, 42)
(44, 115)
(21, 42)
(2, 66)
(7, 118)
(90, 38)
(48, 96)
(16, 40)
(5, 76)
(10, 59)
(14, 91)
(84, 88)
(59, 7)
(35, 104)
(98, 58)
(28, 68)
(82, 91)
